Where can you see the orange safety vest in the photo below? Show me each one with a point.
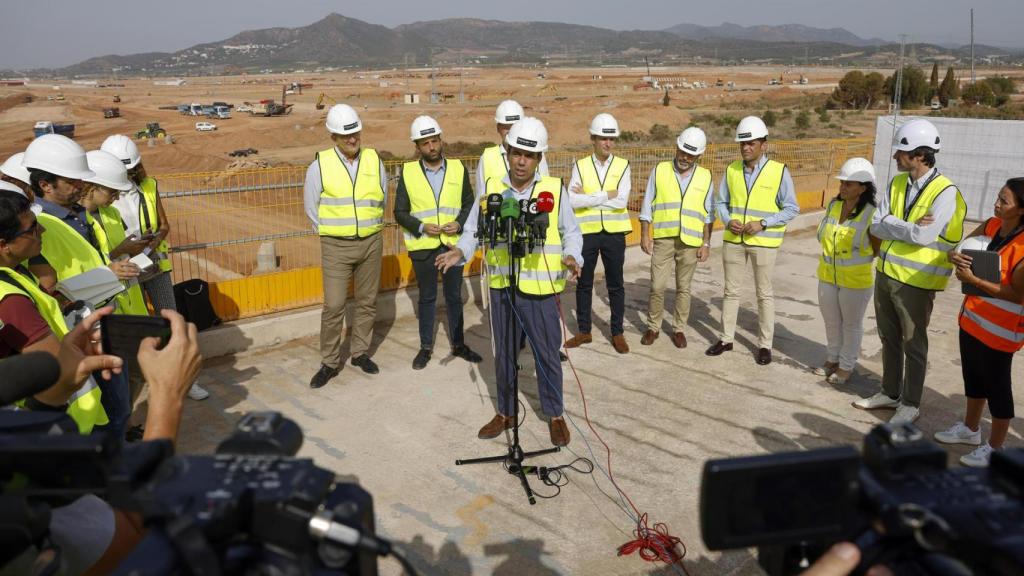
(996, 322)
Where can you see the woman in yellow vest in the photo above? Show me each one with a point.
(991, 328)
(845, 274)
(33, 322)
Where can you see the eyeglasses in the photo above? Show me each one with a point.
(30, 230)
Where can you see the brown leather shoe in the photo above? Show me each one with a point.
(559, 432)
(495, 427)
(679, 339)
(764, 356)
(718, 348)
(649, 337)
(619, 343)
(579, 339)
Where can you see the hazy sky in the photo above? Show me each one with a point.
(54, 33)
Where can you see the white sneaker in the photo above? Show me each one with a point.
(905, 415)
(959, 433)
(197, 393)
(979, 457)
(879, 400)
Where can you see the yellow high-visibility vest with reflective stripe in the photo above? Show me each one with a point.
(347, 209)
(84, 406)
(846, 254)
(675, 213)
(594, 220)
(541, 272)
(66, 250)
(756, 204)
(430, 210)
(927, 267)
(492, 162)
(149, 221)
(109, 232)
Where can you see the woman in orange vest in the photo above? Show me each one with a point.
(991, 328)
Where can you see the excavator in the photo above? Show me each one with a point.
(320, 101)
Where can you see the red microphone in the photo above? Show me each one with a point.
(545, 202)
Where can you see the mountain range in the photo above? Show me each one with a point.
(338, 41)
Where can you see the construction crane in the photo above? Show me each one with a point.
(320, 101)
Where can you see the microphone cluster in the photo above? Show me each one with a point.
(524, 221)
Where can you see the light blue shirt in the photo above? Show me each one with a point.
(785, 199)
(568, 227)
(646, 208)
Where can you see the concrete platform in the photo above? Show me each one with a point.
(662, 411)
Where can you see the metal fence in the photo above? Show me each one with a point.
(219, 220)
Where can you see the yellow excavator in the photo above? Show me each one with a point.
(320, 102)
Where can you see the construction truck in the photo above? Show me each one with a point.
(117, 98)
(111, 112)
(271, 108)
(46, 127)
(152, 130)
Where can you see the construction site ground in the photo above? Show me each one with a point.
(663, 411)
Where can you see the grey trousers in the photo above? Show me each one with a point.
(903, 313)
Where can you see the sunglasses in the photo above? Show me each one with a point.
(30, 230)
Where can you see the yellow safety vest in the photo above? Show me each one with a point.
(84, 406)
(927, 267)
(493, 163)
(846, 254)
(424, 206)
(109, 232)
(594, 220)
(541, 272)
(756, 204)
(349, 210)
(66, 250)
(149, 221)
(677, 213)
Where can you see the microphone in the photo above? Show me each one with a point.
(26, 375)
(545, 202)
(493, 208)
(545, 205)
(510, 209)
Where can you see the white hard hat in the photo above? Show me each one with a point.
(751, 128)
(13, 168)
(342, 119)
(693, 141)
(604, 124)
(109, 169)
(424, 127)
(974, 243)
(58, 155)
(508, 112)
(11, 188)
(857, 170)
(123, 149)
(528, 134)
(917, 133)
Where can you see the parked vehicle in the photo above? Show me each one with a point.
(242, 152)
(111, 112)
(47, 127)
(205, 126)
(152, 130)
(222, 112)
(243, 108)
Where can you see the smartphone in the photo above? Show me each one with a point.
(122, 334)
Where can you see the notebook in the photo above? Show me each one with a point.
(984, 265)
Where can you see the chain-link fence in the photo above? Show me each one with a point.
(246, 232)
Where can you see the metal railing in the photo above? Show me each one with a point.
(219, 220)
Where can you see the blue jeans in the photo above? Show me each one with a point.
(117, 402)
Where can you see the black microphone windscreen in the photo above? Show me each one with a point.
(26, 375)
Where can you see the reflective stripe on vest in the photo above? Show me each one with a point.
(149, 221)
(109, 232)
(65, 249)
(680, 214)
(926, 267)
(998, 323)
(541, 272)
(347, 210)
(593, 220)
(757, 204)
(84, 406)
(430, 210)
(846, 254)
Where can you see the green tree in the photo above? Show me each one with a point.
(949, 88)
(934, 83)
(666, 100)
(802, 120)
(979, 93)
(914, 90)
(857, 90)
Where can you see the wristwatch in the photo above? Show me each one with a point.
(764, 223)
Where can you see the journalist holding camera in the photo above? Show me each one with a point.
(92, 536)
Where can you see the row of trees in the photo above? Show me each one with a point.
(862, 91)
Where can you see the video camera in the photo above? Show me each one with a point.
(250, 508)
(898, 502)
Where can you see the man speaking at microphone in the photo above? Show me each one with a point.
(554, 258)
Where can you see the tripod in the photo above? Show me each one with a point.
(513, 459)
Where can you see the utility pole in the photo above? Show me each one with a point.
(972, 45)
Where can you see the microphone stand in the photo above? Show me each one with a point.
(513, 459)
